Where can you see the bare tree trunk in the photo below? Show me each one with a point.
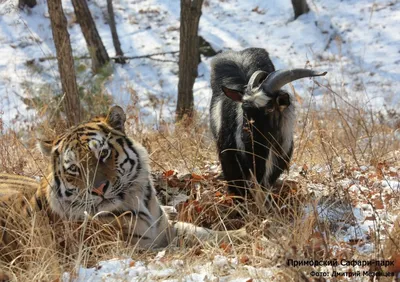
(188, 56)
(29, 3)
(300, 7)
(117, 44)
(97, 51)
(71, 101)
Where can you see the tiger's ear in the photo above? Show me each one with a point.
(45, 146)
(116, 118)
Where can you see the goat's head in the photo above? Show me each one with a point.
(262, 93)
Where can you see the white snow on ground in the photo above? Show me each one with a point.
(366, 215)
(357, 42)
(176, 270)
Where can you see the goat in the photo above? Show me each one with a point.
(251, 119)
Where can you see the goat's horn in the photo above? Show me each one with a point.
(277, 79)
(256, 78)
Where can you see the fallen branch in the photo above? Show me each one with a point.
(149, 56)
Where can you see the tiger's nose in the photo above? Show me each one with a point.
(101, 189)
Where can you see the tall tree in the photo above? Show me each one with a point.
(188, 55)
(300, 7)
(117, 44)
(65, 62)
(97, 51)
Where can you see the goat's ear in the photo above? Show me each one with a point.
(45, 147)
(116, 118)
(234, 95)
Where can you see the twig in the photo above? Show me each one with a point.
(42, 59)
(390, 4)
(331, 37)
(149, 56)
(335, 94)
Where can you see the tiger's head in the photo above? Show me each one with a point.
(95, 167)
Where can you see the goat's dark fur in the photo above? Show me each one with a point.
(254, 133)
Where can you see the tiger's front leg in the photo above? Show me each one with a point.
(183, 232)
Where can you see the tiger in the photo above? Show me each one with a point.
(96, 170)
(10, 183)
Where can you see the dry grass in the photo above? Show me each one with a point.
(46, 249)
(337, 140)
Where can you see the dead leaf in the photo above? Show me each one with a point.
(198, 251)
(378, 203)
(396, 267)
(354, 242)
(258, 11)
(371, 217)
(197, 177)
(226, 247)
(304, 170)
(244, 259)
(173, 182)
(315, 244)
(198, 208)
(168, 173)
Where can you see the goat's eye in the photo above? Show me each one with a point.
(269, 107)
(104, 154)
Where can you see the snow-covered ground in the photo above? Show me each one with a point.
(357, 42)
(176, 270)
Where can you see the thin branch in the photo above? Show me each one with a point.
(149, 56)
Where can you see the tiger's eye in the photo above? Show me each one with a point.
(103, 154)
(73, 168)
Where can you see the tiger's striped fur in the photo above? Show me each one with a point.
(97, 171)
(10, 183)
